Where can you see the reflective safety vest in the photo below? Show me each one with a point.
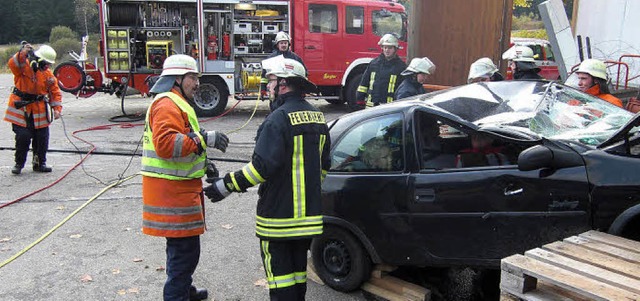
(176, 168)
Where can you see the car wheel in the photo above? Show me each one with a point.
(211, 98)
(350, 93)
(340, 260)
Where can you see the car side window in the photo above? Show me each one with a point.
(323, 18)
(549, 53)
(355, 19)
(374, 145)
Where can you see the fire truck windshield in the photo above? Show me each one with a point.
(385, 21)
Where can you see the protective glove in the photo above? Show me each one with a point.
(211, 170)
(216, 192)
(215, 139)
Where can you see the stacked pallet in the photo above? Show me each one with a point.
(589, 266)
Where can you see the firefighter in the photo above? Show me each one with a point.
(521, 62)
(415, 75)
(34, 102)
(283, 47)
(382, 77)
(173, 163)
(290, 160)
(592, 79)
(483, 70)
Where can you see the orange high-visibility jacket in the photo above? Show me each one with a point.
(38, 83)
(172, 208)
(595, 91)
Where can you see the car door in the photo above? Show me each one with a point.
(364, 195)
(478, 215)
(323, 39)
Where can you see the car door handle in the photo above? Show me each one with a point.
(310, 47)
(509, 191)
(425, 195)
(373, 49)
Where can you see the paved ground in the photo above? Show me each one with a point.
(100, 253)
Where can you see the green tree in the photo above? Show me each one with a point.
(61, 32)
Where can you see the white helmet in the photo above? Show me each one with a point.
(283, 36)
(175, 65)
(419, 65)
(593, 67)
(179, 64)
(388, 40)
(288, 68)
(518, 53)
(483, 67)
(46, 53)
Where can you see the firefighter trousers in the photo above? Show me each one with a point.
(183, 255)
(39, 138)
(285, 263)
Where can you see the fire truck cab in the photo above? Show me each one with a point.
(229, 38)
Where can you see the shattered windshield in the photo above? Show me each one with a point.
(547, 109)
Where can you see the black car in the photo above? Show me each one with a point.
(472, 174)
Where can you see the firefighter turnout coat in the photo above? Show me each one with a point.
(172, 167)
(39, 83)
(380, 80)
(290, 160)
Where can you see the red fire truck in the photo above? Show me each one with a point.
(229, 38)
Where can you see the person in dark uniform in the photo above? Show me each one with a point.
(382, 77)
(290, 160)
(283, 47)
(415, 75)
(522, 63)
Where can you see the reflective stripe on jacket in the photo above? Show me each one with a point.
(171, 169)
(42, 82)
(290, 161)
(380, 80)
(178, 167)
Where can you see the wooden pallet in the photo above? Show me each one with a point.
(589, 266)
(384, 286)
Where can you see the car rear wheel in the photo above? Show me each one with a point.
(340, 260)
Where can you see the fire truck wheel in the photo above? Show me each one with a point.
(212, 97)
(71, 77)
(350, 93)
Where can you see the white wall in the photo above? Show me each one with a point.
(613, 27)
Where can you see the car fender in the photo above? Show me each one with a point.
(355, 64)
(623, 219)
(338, 222)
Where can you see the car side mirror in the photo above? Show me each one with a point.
(540, 156)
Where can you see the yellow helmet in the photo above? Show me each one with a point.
(593, 67)
(388, 40)
(46, 53)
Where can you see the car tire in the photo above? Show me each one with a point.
(211, 98)
(340, 259)
(350, 93)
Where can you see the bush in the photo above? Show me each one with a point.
(537, 34)
(63, 46)
(526, 22)
(62, 32)
(6, 53)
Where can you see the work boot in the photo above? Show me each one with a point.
(41, 168)
(16, 169)
(197, 294)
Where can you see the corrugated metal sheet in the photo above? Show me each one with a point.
(455, 33)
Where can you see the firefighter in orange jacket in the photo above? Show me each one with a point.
(34, 102)
(592, 79)
(174, 160)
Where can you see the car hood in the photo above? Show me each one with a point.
(538, 109)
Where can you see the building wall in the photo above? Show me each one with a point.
(455, 33)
